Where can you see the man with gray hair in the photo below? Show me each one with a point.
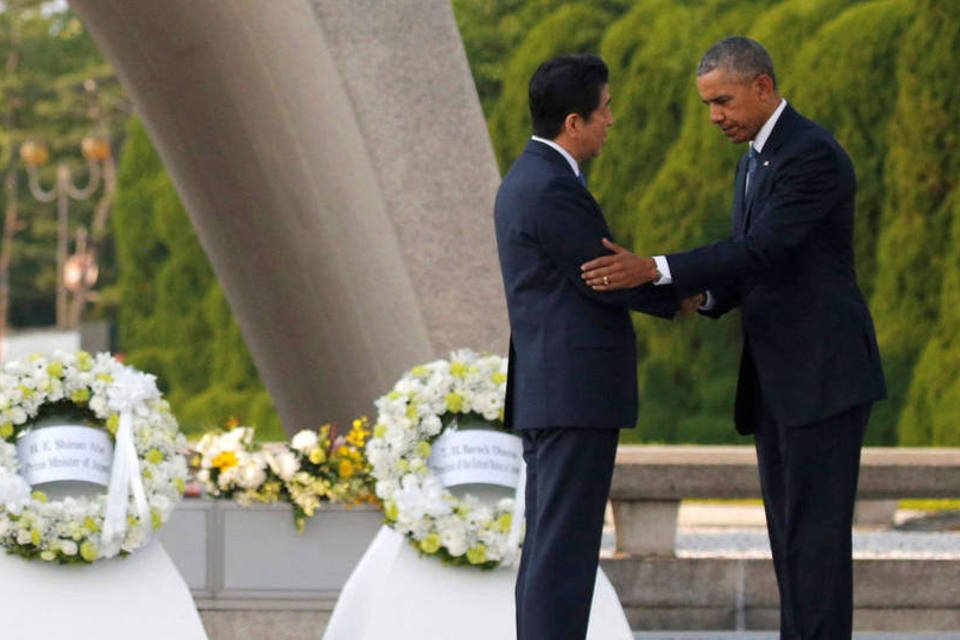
(810, 368)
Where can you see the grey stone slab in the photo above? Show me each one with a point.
(648, 527)
(653, 582)
(907, 583)
(765, 635)
(680, 618)
(682, 471)
(260, 625)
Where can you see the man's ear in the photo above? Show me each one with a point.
(765, 88)
(572, 123)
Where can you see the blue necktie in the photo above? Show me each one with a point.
(752, 156)
(582, 179)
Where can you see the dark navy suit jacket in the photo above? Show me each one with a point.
(809, 341)
(572, 349)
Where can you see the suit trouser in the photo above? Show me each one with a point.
(568, 483)
(808, 477)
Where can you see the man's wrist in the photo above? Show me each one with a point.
(663, 270)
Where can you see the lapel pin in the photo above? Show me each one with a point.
(766, 163)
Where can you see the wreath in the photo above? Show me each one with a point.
(116, 405)
(429, 401)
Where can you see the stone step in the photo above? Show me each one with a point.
(773, 635)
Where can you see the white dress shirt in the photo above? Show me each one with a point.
(757, 143)
(561, 151)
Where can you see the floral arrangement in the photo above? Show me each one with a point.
(316, 467)
(100, 391)
(460, 531)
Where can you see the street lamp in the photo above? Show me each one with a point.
(34, 155)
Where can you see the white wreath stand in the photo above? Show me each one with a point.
(395, 593)
(141, 596)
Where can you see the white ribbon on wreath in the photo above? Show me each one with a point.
(127, 395)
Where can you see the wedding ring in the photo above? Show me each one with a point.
(606, 280)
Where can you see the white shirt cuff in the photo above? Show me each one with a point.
(664, 269)
(709, 303)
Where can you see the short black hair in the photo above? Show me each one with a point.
(564, 85)
(741, 55)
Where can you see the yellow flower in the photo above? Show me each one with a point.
(499, 377)
(39, 496)
(80, 396)
(458, 369)
(504, 522)
(390, 511)
(91, 525)
(55, 369)
(423, 449)
(317, 455)
(6, 430)
(35, 537)
(430, 544)
(155, 456)
(84, 361)
(477, 554)
(225, 460)
(156, 519)
(89, 551)
(420, 372)
(379, 430)
(454, 402)
(347, 469)
(113, 423)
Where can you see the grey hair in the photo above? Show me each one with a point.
(743, 56)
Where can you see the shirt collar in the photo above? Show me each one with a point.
(767, 127)
(561, 151)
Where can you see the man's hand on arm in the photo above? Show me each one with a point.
(620, 270)
(692, 304)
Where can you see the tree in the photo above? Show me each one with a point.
(916, 294)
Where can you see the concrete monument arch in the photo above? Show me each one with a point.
(334, 160)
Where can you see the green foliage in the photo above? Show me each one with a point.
(878, 73)
(867, 37)
(174, 318)
(573, 28)
(917, 299)
(57, 89)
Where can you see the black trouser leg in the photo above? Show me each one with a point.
(808, 477)
(568, 483)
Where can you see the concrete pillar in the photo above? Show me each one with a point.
(335, 163)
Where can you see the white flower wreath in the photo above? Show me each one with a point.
(105, 393)
(418, 409)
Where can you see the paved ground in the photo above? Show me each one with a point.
(761, 635)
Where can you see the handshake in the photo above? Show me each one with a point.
(625, 270)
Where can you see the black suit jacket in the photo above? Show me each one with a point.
(572, 349)
(809, 341)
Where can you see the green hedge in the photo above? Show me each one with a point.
(878, 73)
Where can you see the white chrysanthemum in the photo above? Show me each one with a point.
(304, 441)
(283, 462)
(14, 492)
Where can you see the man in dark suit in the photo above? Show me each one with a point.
(810, 367)
(572, 376)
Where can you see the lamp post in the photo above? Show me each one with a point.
(34, 155)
